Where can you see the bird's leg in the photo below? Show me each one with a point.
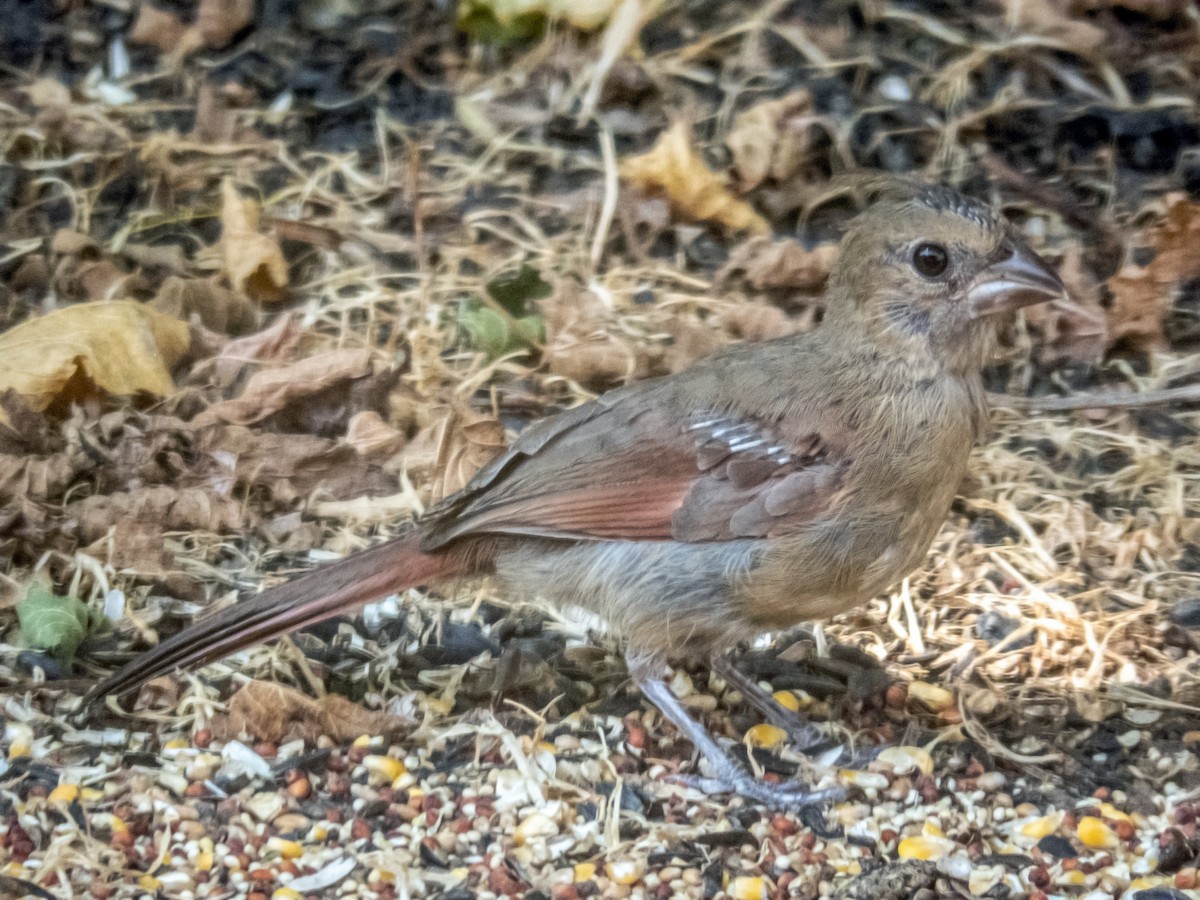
(802, 734)
(730, 776)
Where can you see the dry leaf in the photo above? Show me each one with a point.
(451, 450)
(1074, 329)
(370, 435)
(254, 264)
(216, 120)
(219, 21)
(157, 28)
(127, 528)
(272, 343)
(771, 139)
(291, 467)
(271, 390)
(672, 168)
(1142, 295)
(1048, 19)
(275, 713)
(580, 343)
(120, 348)
(216, 308)
(771, 264)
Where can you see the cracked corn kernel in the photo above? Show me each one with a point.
(747, 887)
(787, 700)
(1094, 833)
(584, 872)
(930, 695)
(203, 861)
(864, 780)
(1075, 876)
(383, 769)
(1108, 811)
(20, 739)
(149, 883)
(624, 871)
(919, 848)
(285, 848)
(766, 736)
(932, 843)
(287, 893)
(903, 760)
(535, 825)
(64, 793)
(176, 744)
(1041, 827)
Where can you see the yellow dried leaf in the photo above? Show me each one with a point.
(118, 348)
(673, 169)
(254, 264)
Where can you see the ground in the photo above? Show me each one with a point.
(273, 279)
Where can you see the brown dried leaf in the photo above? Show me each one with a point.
(1048, 19)
(36, 478)
(370, 435)
(292, 466)
(269, 391)
(120, 348)
(771, 264)
(272, 343)
(254, 264)
(771, 139)
(580, 343)
(451, 450)
(1074, 329)
(673, 169)
(157, 28)
(216, 120)
(1142, 295)
(216, 307)
(220, 20)
(158, 508)
(276, 713)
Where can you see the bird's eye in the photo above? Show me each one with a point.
(931, 260)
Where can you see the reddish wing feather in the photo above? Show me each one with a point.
(709, 478)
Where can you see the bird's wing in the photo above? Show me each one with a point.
(632, 467)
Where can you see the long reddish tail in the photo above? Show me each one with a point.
(326, 591)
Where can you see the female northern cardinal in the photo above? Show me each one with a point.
(768, 484)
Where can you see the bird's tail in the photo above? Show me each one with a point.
(326, 591)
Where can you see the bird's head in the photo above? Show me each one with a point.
(925, 270)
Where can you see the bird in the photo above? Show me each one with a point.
(766, 485)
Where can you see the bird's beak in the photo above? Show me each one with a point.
(1020, 279)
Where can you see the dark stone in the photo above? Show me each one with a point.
(995, 628)
(1186, 613)
(1057, 846)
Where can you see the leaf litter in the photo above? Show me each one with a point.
(251, 261)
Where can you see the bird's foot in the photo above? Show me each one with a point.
(781, 795)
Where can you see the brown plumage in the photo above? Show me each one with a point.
(766, 485)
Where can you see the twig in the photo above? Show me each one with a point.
(1189, 393)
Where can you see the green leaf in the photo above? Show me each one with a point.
(495, 334)
(491, 22)
(513, 290)
(55, 624)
